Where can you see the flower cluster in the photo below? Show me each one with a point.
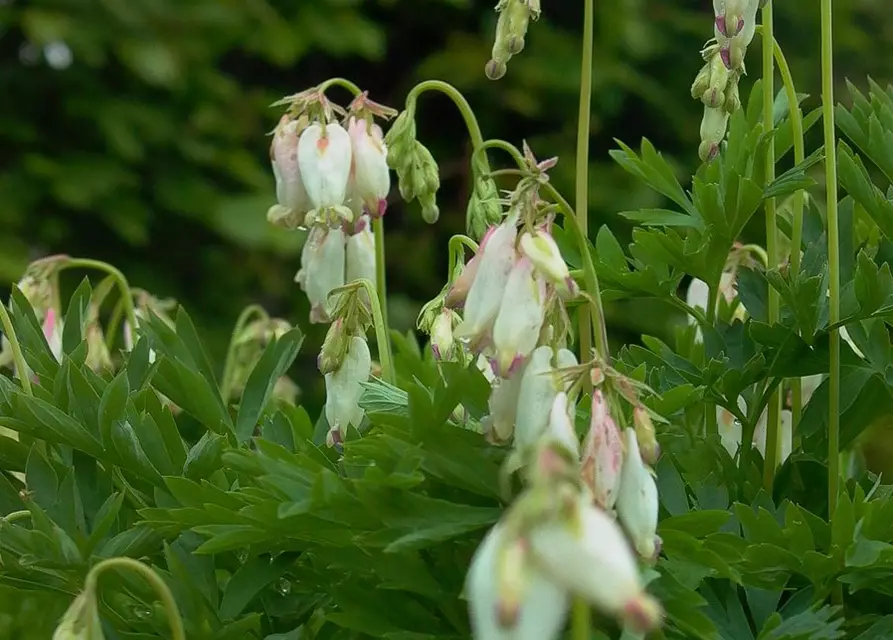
(330, 166)
(716, 84)
(511, 29)
(588, 514)
(332, 177)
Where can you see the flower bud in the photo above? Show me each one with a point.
(713, 130)
(637, 504)
(732, 99)
(460, 287)
(324, 158)
(702, 82)
(290, 191)
(645, 435)
(495, 69)
(520, 317)
(322, 270)
(484, 209)
(371, 178)
(485, 294)
(602, 455)
(508, 597)
(715, 95)
(400, 138)
(344, 387)
(98, 357)
(334, 347)
(442, 335)
(543, 251)
(538, 390)
(590, 557)
(430, 210)
(81, 621)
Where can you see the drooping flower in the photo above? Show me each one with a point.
(536, 395)
(322, 269)
(360, 255)
(442, 343)
(590, 557)
(602, 454)
(561, 425)
(344, 388)
(503, 405)
(485, 294)
(520, 317)
(290, 192)
(637, 505)
(508, 596)
(81, 621)
(540, 247)
(324, 159)
(371, 179)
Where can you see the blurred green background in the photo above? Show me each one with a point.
(134, 131)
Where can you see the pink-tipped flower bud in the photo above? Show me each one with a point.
(324, 158)
(460, 287)
(290, 191)
(371, 179)
(646, 436)
(713, 130)
(637, 502)
(602, 454)
(520, 318)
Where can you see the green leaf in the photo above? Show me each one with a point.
(35, 348)
(662, 217)
(251, 578)
(205, 457)
(275, 361)
(651, 168)
(795, 178)
(76, 317)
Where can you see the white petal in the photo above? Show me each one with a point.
(325, 162)
(521, 315)
(538, 390)
(637, 502)
(344, 387)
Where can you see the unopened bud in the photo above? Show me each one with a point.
(484, 209)
(713, 130)
(81, 621)
(637, 503)
(442, 342)
(430, 210)
(543, 251)
(400, 138)
(334, 347)
(715, 95)
(495, 69)
(732, 98)
(645, 435)
(702, 82)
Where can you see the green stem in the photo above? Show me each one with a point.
(226, 382)
(581, 620)
(711, 426)
(123, 285)
(15, 516)
(508, 147)
(833, 255)
(381, 333)
(471, 122)
(591, 277)
(18, 358)
(582, 175)
(157, 584)
(340, 82)
(380, 275)
(113, 323)
(774, 414)
(796, 115)
(457, 246)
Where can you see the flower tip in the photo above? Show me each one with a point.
(495, 69)
(643, 614)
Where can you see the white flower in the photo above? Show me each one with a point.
(542, 250)
(538, 390)
(511, 602)
(637, 504)
(360, 256)
(591, 558)
(324, 158)
(503, 405)
(561, 424)
(344, 387)
(602, 454)
(485, 294)
(322, 269)
(290, 191)
(371, 178)
(442, 335)
(520, 318)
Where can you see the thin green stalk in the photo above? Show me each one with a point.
(711, 426)
(18, 358)
(582, 615)
(508, 147)
(226, 382)
(340, 82)
(123, 286)
(381, 279)
(774, 415)
(474, 129)
(833, 255)
(582, 166)
(456, 247)
(798, 200)
(15, 516)
(158, 585)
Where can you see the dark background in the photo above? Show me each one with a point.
(134, 131)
